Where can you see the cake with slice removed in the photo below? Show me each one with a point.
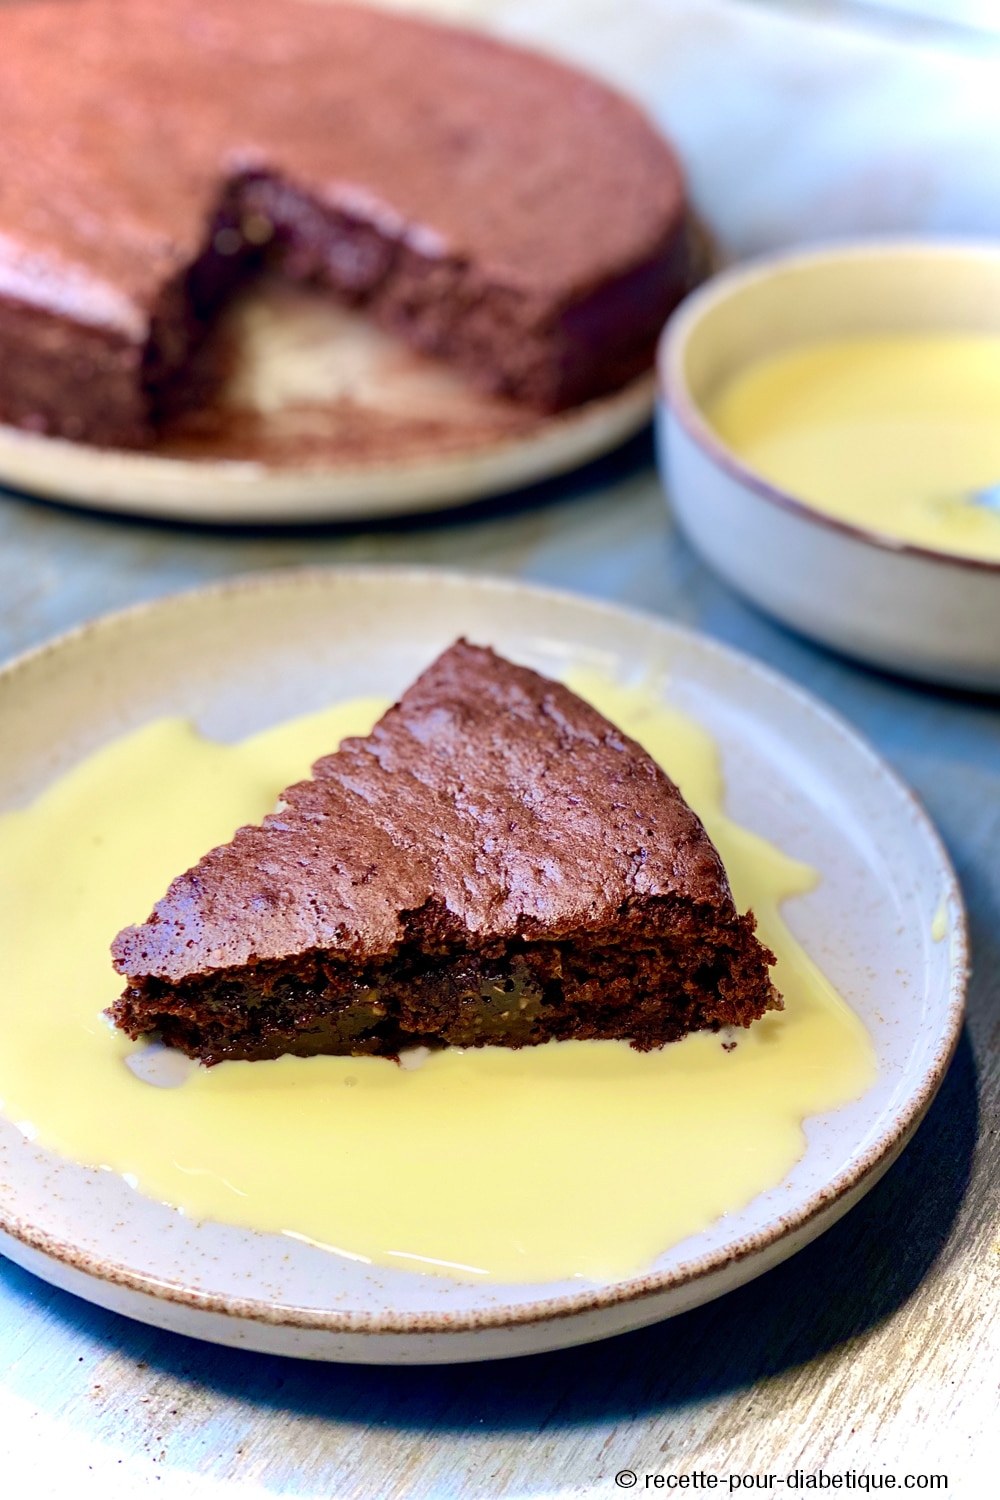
(495, 863)
(487, 205)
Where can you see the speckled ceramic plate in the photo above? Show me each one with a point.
(324, 418)
(886, 923)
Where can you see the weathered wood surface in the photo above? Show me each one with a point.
(877, 1348)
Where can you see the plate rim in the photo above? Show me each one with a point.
(246, 492)
(850, 1183)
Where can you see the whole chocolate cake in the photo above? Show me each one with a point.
(494, 863)
(490, 206)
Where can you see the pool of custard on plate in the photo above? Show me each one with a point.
(573, 1159)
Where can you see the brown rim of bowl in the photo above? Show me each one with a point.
(673, 388)
(878, 1156)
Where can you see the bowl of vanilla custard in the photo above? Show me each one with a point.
(828, 429)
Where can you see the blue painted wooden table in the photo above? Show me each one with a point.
(877, 1348)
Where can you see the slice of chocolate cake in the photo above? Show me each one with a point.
(488, 205)
(494, 863)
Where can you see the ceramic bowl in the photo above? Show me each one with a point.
(895, 605)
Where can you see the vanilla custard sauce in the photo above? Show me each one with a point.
(583, 1159)
(895, 432)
